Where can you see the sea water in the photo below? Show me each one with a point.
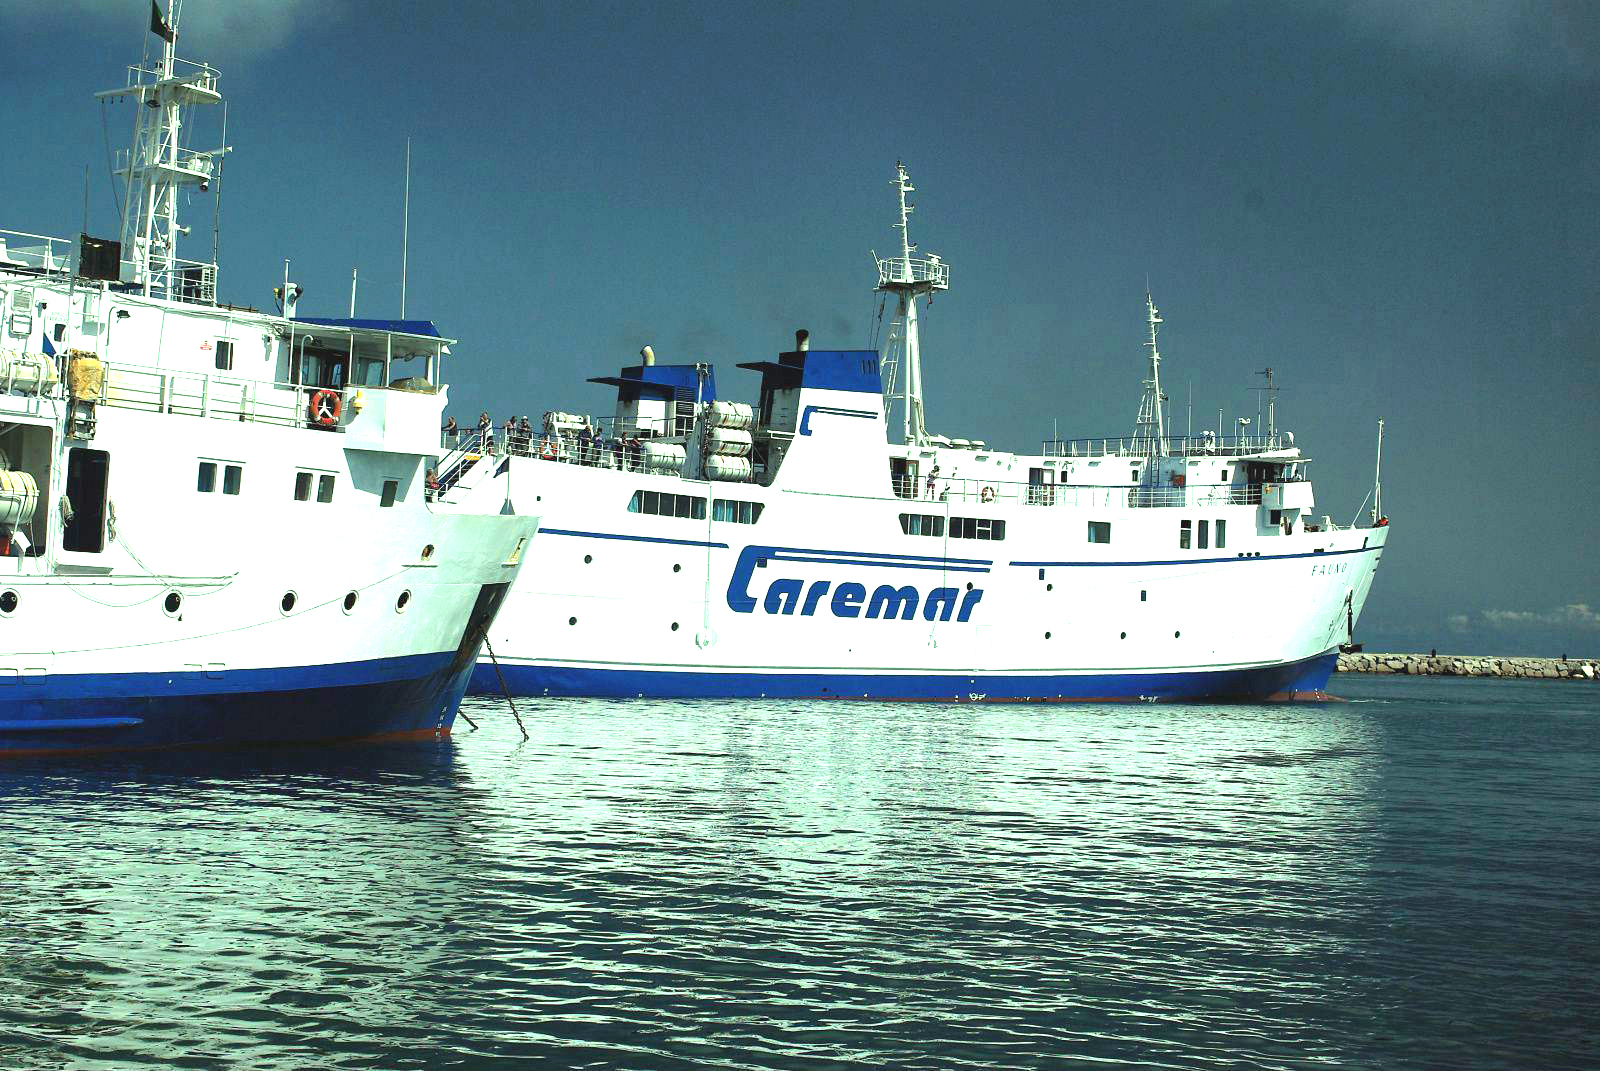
(1410, 879)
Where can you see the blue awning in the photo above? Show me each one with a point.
(398, 327)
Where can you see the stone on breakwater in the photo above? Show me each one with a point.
(1470, 666)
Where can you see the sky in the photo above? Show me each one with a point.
(1395, 204)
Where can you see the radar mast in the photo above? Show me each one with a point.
(907, 277)
(1150, 430)
(157, 167)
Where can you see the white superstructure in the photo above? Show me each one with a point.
(700, 547)
(215, 522)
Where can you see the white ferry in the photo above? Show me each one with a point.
(697, 546)
(214, 521)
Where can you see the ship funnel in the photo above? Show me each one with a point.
(648, 355)
(802, 340)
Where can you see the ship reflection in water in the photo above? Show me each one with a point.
(791, 884)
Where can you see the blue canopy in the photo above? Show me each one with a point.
(399, 327)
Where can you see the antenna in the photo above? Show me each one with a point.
(353, 294)
(1377, 479)
(1149, 429)
(405, 232)
(907, 277)
(1271, 393)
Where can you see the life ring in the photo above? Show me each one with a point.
(547, 450)
(986, 495)
(325, 407)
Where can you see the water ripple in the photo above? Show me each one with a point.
(1402, 881)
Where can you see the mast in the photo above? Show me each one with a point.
(157, 166)
(1150, 429)
(907, 277)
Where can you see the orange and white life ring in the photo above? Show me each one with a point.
(547, 449)
(325, 407)
(986, 495)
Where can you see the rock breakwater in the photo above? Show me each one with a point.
(1471, 666)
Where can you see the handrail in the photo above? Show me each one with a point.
(1174, 446)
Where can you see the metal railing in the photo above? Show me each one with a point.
(56, 256)
(199, 394)
(902, 270)
(983, 492)
(1176, 446)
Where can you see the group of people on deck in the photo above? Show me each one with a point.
(588, 447)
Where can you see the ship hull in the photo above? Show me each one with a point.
(1304, 679)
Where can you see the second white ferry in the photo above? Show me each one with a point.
(696, 546)
(215, 524)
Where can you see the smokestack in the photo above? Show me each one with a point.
(802, 340)
(648, 355)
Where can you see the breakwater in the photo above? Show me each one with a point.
(1470, 666)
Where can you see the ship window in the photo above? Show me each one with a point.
(1099, 531)
(302, 487)
(390, 489)
(977, 528)
(207, 480)
(224, 355)
(325, 488)
(1204, 534)
(1183, 534)
(1276, 516)
(666, 504)
(1222, 533)
(1224, 475)
(736, 512)
(232, 477)
(61, 332)
(88, 474)
(922, 524)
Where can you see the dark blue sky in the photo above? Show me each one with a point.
(1392, 204)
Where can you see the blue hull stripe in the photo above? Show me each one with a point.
(100, 711)
(632, 538)
(1305, 676)
(1240, 558)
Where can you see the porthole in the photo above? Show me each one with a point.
(1041, 574)
(427, 552)
(8, 603)
(350, 600)
(969, 585)
(677, 568)
(286, 604)
(173, 603)
(1049, 587)
(674, 626)
(1047, 635)
(1175, 635)
(403, 601)
(1123, 636)
(572, 620)
(588, 559)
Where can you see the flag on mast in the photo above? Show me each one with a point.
(158, 25)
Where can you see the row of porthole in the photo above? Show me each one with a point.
(574, 621)
(173, 604)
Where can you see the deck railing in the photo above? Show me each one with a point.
(1175, 446)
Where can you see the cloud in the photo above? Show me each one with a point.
(206, 28)
(1577, 615)
(1552, 40)
(1458, 623)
